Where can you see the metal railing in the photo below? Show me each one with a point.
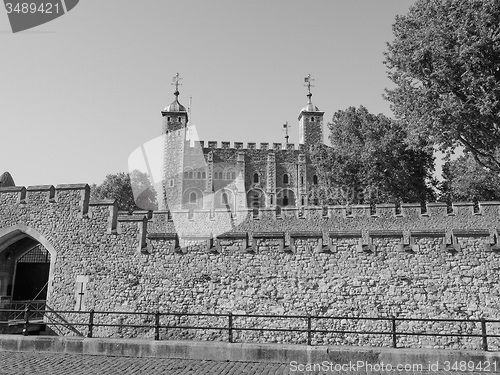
(89, 324)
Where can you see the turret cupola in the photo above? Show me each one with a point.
(310, 120)
(175, 116)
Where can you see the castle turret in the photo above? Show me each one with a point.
(310, 120)
(175, 120)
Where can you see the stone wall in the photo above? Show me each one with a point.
(327, 262)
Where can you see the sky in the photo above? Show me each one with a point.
(79, 94)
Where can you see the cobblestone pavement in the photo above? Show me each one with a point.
(14, 363)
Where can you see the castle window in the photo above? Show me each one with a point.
(171, 182)
(198, 175)
(255, 201)
(192, 197)
(186, 174)
(168, 118)
(228, 176)
(203, 175)
(256, 178)
(312, 118)
(190, 174)
(224, 199)
(302, 200)
(233, 175)
(179, 119)
(315, 180)
(285, 178)
(302, 180)
(285, 200)
(220, 175)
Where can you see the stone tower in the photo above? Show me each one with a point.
(310, 120)
(175, 120)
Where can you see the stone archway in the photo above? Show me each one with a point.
(21, 249)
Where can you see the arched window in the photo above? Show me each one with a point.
(178, 118)
(302, 180)
(203, 175)
(186, 174)
(285, 178)
(256, 178)
(302, 200)
(198, 175)
(190, 174)
(285, 200)
(228, 176)
(220, 175)
(192, 197)
(233, 175)
(224, 199)
(315, 180)
(255, 200)
(312, 118)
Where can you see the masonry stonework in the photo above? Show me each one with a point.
(326, 262)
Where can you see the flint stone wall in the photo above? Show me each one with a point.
(327, 263)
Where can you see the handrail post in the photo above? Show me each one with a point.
(393, 329)
(91, 323)
(309, 333)
(483, 333)
(157, 325)
(26, 321)
(230, 326)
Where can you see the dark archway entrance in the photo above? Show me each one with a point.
(32, 275)
(26, 269)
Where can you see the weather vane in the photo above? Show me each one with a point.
(286, 127)
(308, 81)
(175, 81)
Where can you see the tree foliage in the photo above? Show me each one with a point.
(445, 61)
(369, 163)
(466, 180)
(122, 187)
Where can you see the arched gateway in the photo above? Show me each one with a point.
(27, 261)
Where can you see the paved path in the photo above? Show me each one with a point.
(17, 363)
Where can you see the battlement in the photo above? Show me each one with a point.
(214, 145)
(409, 220)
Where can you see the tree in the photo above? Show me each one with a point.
(466, 180)
(369, 162)
(445, 61)
(132, 191)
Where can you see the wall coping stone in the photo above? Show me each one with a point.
(40, 188)
(471, 232)
(269, 235)
(166, 236)
(102, 202)
(346, 234)
(463, 204)
(385, 233)
(72, 186)
(306, 234)
(12, 189)
(489, 203)
(131, 218)
(428, 232)
(233, 235)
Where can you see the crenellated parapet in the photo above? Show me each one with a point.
(263, 146)
(407, 223)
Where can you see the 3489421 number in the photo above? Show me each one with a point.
(24, 8)
(485, 366)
